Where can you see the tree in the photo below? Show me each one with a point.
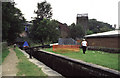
(105, 28)
(89, 32)
(97, 26)
(54, 32)
(12, 20)
(76, 31)
(45, 31)
(44, 10)
(72, 31)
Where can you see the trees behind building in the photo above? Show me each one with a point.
(94, 26)
(44, 28)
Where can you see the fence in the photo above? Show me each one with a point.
(66, 41)
(66, 47)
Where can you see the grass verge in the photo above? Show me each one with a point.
(96, 57)
(5, 53)
(27, 68)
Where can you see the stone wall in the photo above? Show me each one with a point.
(71, 67)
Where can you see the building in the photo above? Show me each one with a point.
(83, 20)
(106, 40)
(64, 30)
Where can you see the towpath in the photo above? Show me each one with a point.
(9, 65)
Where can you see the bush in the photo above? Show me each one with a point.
(4, 46)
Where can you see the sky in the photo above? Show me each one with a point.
(66, 11)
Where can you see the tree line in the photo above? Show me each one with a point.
(94, 26)
(44, 28)
(12, 20)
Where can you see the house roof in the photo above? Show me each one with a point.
(113, 33)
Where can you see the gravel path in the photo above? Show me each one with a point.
(9, 64)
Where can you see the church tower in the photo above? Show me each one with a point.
(83, 20)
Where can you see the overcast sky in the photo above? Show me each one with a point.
(66, 11)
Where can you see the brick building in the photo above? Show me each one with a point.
(64, 30)
(106, 40)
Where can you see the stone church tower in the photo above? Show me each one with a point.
(83, 20)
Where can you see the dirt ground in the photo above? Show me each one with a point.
(9, 64)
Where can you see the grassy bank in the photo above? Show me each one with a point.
(26, 68)
(5, 51)
(96, 57)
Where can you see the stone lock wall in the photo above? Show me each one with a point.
(69, 67)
